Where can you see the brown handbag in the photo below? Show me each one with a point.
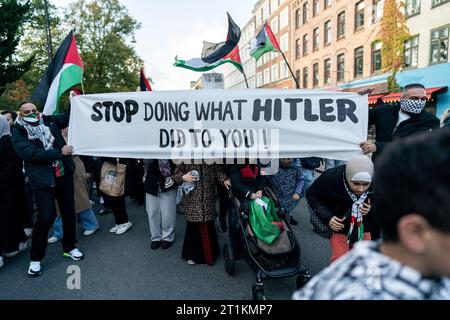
(113, 179)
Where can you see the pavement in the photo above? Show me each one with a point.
(124, 267)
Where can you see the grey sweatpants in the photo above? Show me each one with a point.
(162, 212)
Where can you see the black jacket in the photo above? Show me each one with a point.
(38, 161)
(245, 185)
(154, 181)
(385, 118)
(328, 198)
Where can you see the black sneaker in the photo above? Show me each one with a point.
(104, 211)
(166, 245)
(155, 245)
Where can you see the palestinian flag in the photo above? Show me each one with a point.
(144, 84)
(64, 72)
(198, 64)
(216, 54)
(264, 42)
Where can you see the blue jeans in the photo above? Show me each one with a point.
(87, 219)
(332, 163)
(308, 174)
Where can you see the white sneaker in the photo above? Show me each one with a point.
(22, 247)
(28, 232)
(35, 269)
(92, 203)
(114, 229)
(53, 239)
(124, 228)
(102, 201)
(75, 255)
(1, 262)
(90, 232)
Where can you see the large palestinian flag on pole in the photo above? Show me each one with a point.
(216, 54)
(197, 64)
(64, 72)
(264, 42)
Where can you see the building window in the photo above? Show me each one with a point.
(258, 18)
(284, 42)
(284, 18)
(326, 3)
(259, 79)
(315, 74)
(359, 61)
(439, 45)
(305, 12)
(359, 15)
(315, 8)
(266, 76)
(412, 52)
(273, 5)
(327, 71)
(340, 67)
(327, 32)
(275, 72)
(305, 77)
(297, 76)
(284, 70)
(274, 25)
(266, 11)
(297, 18)
(341, 25)
(435, 3)
(412, 7)
(305, 44)
(297, 49)
(316, 39)
(377, 10)
(376, 57)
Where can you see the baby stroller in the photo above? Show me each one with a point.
(279, 260)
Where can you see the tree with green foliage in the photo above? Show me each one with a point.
(13, 14)
(34, 41)
(393, 34)
(102, 29)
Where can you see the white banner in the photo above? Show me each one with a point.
(217, 124)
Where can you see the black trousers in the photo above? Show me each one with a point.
(118, 207)
(63, 192)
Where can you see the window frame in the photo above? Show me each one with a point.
(360, 27)
(410, 66)
(316, 73)
(338, 79)
(338, 35)
(355, 65)
(431, 44)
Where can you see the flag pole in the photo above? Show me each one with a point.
(245, 78)
(292, 73)
(82, 86)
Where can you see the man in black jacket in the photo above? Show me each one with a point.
(49, 167)
(403, 120)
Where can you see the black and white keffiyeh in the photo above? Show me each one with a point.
(40, 131)
(367, 274)
(412, 106)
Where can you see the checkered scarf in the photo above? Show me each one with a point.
(412, 106)
(356, 218)
(40, 131)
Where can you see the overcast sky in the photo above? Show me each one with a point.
(178, 27)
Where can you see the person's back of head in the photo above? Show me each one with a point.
(412, 188)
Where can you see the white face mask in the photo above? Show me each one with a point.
(412, 106)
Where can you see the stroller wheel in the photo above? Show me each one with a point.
(258, 292)
(228, 259)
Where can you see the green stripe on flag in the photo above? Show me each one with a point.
(70, 77)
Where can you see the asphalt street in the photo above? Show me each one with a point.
(124, 267)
